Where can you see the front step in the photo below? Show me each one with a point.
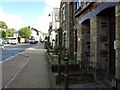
(105, 84)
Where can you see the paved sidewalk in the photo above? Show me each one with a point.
(35, 74)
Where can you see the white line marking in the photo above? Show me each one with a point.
(12, 56)
(17, 73)
(7, 59)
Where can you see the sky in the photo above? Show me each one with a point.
(28, 13)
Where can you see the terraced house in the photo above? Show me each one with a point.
(67, 30)
(98, 44)
(97, 25)
(64, 24)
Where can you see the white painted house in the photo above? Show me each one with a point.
(35, 34)
(16, 34)
(54, 24)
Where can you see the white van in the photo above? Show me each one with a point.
(12, 40)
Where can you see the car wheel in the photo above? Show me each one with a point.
(2, 47)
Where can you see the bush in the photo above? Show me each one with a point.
(48, 45)
(60, 48)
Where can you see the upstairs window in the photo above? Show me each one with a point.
(63, 13)
(78, 4)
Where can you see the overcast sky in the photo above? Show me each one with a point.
(28, 13)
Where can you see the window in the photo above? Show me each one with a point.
(78, 4)
(63, 11)
(65, 40)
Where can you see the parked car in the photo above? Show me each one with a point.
(13, 41)
(5, 42)
(32, 41)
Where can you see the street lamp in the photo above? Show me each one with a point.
(53, 40)
(51, 14)
(52, 24)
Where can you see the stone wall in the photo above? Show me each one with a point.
(71, 30)
(99, 45)
(85, 40)
(79, 44)
(118, 44)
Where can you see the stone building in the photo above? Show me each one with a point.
(92, 29)
(67, 30)
(72, 30)
(117, 36)
(64, 23)
(98, 33)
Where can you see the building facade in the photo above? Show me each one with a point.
(92, 29)
(35, 34)
(67, 30)
(53, 26)
(97, 24)
(64, 23)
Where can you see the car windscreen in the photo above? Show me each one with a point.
(32, 39)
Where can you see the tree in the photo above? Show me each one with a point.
(10, 32)
(3, 34)
(25, 32)
(3, 25)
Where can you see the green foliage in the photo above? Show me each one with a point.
(3, 25)
(25, 32)
(48, 45)
(3, 34)
(54, 60)
(10, 32)
(60, 48)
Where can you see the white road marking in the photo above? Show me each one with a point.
(14, 56)
(17, 73)
(8, 59)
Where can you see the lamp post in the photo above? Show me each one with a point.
(51, 32)
(53, 40)
(51, 15)
(66, 77)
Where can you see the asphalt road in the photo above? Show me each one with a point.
(34, 74)
(12, 50)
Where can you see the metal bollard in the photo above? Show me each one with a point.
(59, 64)
(66, 77)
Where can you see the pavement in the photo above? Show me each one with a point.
(34, 71)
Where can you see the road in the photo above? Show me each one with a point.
(27, 72)
(12, 50)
